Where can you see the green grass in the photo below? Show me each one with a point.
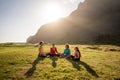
(20, 62)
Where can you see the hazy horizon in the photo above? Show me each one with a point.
(22, 18)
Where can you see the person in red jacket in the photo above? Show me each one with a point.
(53, 51)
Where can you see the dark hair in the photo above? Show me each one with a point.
(67, 45)
(77, 49)
(53, 44)
(41, 42)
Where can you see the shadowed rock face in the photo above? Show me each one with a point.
(94, 21)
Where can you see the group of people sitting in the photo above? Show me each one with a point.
(54, 52)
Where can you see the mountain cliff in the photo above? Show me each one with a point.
(94, 21)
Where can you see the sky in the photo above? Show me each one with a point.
(21, 18)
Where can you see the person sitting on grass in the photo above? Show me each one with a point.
(53, 51)
(66, 53)
(41, 50)
(77, 54)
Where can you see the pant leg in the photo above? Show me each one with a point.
(72, 56)
(77, 59)
(42, 55)
(48, 54)
(58, 54)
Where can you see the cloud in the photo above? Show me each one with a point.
(72, 1)
(82, 1)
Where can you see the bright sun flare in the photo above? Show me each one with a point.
(52, 12)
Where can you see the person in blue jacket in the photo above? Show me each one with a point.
(66, 52)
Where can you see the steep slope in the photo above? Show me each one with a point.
(94, 21)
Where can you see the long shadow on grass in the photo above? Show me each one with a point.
(74, 63)
(33, 68)
(87, 67)
(54, 59)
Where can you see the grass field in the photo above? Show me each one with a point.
(20, 62)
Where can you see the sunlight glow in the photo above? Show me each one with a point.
(52, 12)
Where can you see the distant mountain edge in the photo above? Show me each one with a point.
(93, 22)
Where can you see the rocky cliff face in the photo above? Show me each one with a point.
(94, 21)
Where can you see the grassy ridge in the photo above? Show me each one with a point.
(20, 62)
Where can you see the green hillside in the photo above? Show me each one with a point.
(20, 62)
